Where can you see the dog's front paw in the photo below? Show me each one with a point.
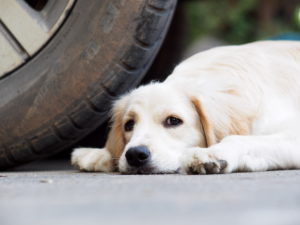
(92, 160)
(202, 161)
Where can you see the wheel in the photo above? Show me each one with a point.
(65, 87)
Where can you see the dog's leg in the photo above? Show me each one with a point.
(92, 160)
(245, 153)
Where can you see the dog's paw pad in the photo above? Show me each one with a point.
(215, 167)
(193, 169)
(211, 167)
(201, 163)
(223, 164)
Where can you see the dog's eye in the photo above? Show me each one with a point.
(129, 125)
(172, 121)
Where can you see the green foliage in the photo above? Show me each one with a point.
(234, 21)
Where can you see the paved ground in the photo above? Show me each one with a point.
(53, 193)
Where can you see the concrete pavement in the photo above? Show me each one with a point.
(51, 192)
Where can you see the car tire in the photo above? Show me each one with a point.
(65, 91)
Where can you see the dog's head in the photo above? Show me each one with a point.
(153, 126)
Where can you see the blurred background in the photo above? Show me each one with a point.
(202, 24)
(237, 22)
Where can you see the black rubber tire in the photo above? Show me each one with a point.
(63, 93)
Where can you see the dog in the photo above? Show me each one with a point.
(228, 109)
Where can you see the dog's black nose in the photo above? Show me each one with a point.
(138, 156)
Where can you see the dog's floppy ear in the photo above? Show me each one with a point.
(209, 134)
(220, 119)
(115, 142)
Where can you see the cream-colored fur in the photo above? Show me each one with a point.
(240, 107)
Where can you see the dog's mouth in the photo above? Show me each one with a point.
(147, 170)
(142, 170)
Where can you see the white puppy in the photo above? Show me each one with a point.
(229, 109)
